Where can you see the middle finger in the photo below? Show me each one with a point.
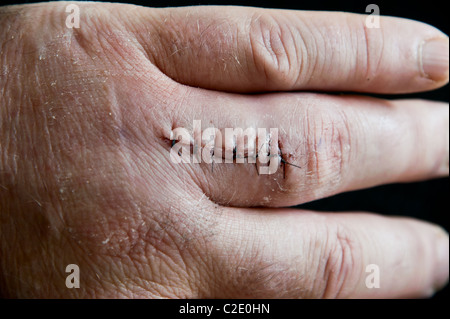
(325, 145)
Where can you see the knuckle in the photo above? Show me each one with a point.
(274, 50)
(153, 249)
(340, 263)
(265, 280)
(256, 274)
(328, 147)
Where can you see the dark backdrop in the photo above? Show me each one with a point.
(425, 200)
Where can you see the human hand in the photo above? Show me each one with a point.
(86, 176)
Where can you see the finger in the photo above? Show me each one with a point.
(333, 144)
(301, 254)
(251, 49)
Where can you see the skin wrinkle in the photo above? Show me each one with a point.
(337, 155)
(290, 60)
(367, 66)
(259, 273)
(253, 44)
(312, 153)
(168, 258)
(224, 28)
(348, 259)
(187, 243)
(166, 32)
(310, 56)
(37, 208)
(319, 52)
(273, 51)
(346, 148)
(262, 280)
(298, 57)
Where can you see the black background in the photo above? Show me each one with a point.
(425, 200)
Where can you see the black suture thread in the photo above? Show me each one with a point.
(235, 156)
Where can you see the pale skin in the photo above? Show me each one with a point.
(86, 179)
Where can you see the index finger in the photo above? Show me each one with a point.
(243, 49)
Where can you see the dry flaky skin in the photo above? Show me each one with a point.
(85, 175)
(74, 171)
